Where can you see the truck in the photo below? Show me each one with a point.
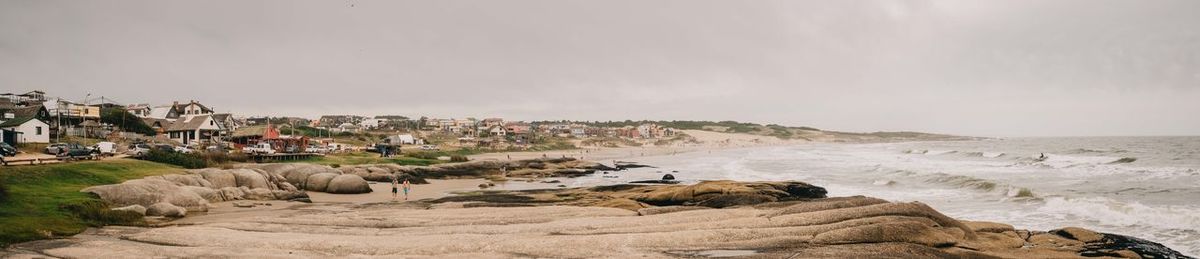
(259, 148)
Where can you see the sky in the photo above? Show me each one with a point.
(981, 68)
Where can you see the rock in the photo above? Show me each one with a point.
(289, 195)
(319, 182)
(668, 177)
(1083, 235)
(621, 203)
(667, 209)
(483, 186)
(209, 194)
(719, 194)
(243, 204)
(260, 194)
(166, 210)
(219, 178)
(348, 184)
(412, 179)
(187, 179)
(147, 192)
(250, 179)
(304, 200)
(232, 193)
(139, 209)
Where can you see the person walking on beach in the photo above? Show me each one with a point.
(406, 188)
(394, 189)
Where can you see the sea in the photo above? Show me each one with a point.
(1147, 187)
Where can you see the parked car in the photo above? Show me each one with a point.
(429, 147)
(183, 149)
(55, 149)
(259, 148)
(163, 148)
(316, 149)
(105, 148)
(7, 150)
(138, 150)
(76, 151)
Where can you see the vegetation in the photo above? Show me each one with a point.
(194, 160)
(126, 121)
(44, 201)
(358, 158)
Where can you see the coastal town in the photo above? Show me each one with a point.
(39, 127)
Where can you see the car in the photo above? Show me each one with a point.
(259, 148)
(7, 150)
(75, 150)
(163, 148)
(183, 149)
(138, 150)
(105, 148)
(316, 149)
(429, 147)
(55, 148)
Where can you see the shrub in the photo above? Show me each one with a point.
(335, 165)
(174, 158)
(98, 213)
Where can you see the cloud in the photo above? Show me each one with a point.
(966, 67)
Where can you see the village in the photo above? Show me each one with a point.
(37, 128)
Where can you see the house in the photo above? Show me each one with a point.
(184, 110)
(404, 139)
(141, 110)
(27, 99)
(161, 112)
(497, 130)
(25, 129)
(226, 122)
(492, 122)
(337, 120)
(371, 124)
(519, 128)
(195, 129)
(578, 130)
(347, 127)
(159, 125)
(72, 110)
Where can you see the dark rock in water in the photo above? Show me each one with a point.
(668, 177)
(627, 165)
(1113, 244)
(656, 182)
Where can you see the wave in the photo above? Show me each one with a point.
(965, 182)
(1174, 225)
(1095, 151)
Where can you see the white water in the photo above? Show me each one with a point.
(1155, 197)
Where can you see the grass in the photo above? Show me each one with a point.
(358, 158)
(44, 201)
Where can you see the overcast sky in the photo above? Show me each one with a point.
(987, 68)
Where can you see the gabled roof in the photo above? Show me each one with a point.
(192, 124)
(30, 111)
(18, 121)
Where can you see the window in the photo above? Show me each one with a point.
(39, 131)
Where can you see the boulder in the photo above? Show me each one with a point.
(187, 179)
(319, 182)
(348, 184)
(139, 209)
(260, 194)
(250, 178)
(232, 193)
(209, 194)
(166, 210)
(147, 192)
(219, 178)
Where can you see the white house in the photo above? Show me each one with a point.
(404, 139)
(30, 130)
(497, 131)
(371, 123)
(199, 128)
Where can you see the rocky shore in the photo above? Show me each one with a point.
(711, 218)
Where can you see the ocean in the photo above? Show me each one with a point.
(1148, 187)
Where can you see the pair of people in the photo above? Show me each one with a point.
(396, 185)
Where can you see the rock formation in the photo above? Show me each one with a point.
(532, 168)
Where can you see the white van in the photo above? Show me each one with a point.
(105, 148)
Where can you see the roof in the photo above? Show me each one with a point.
(163, 123)
(30, 111)
(18, 121)
(192, 124)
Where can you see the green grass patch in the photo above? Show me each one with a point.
(44, 201)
